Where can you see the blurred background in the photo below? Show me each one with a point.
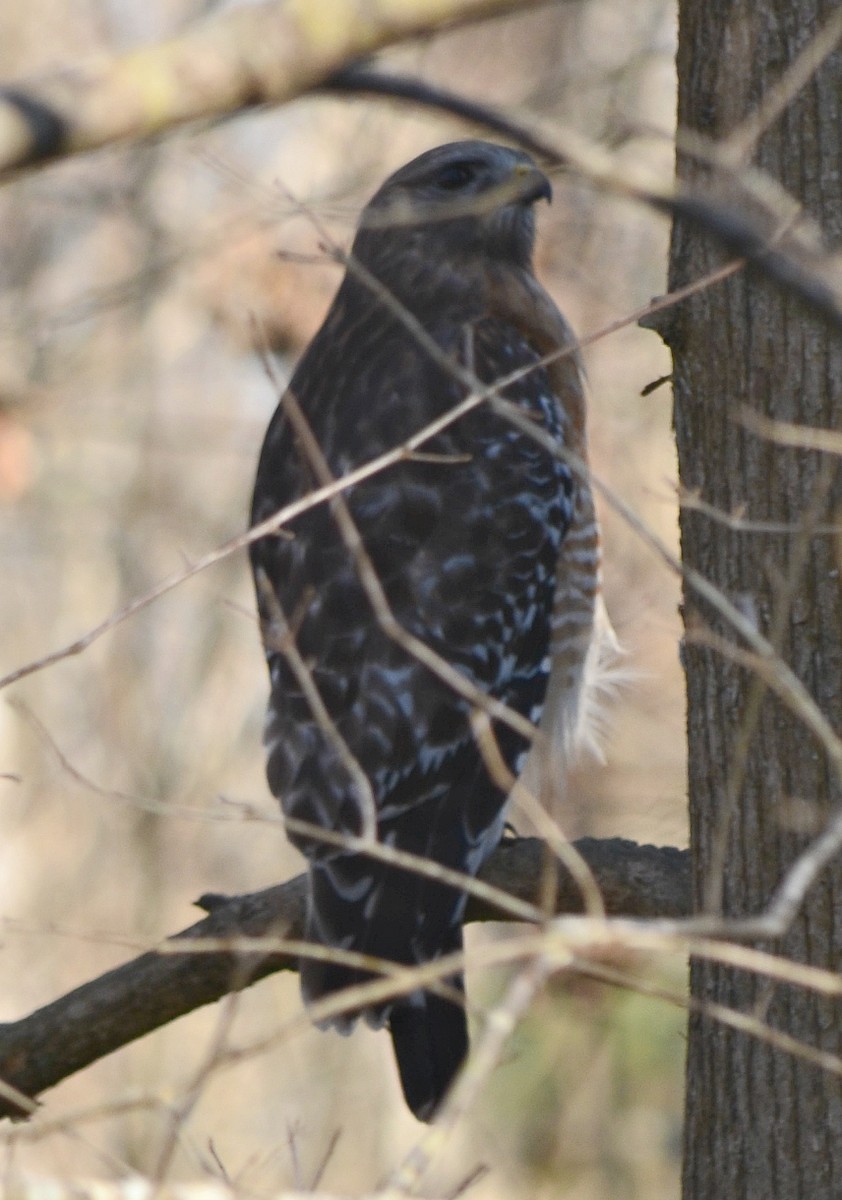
(137, 286)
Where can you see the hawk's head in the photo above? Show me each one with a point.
(460, 202)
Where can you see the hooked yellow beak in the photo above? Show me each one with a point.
(531, 184)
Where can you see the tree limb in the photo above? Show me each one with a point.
(747, 227)
(74, 1031)
(262, 53)
(271, 52)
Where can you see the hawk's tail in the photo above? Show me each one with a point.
(429, 1033)
(378, 916)
(430, 1037)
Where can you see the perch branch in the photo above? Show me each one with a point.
(83, 1026)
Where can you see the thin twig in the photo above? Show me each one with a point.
(784, 433)
(321, 495)
(721, 1013)
(419, 865)
(738, 523)
(740, 143)
(788, 685)
(277, 636)
(486, 1052)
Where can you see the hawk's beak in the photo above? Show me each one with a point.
(531, 184)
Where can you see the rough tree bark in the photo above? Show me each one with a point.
(760, 1123)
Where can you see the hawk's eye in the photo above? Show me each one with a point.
(455, 176)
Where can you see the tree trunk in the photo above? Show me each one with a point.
(760, 1122)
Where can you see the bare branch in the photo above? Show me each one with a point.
(478, 394)
(262, 53)
(725, 1015)
(378, 599)
(278, 636)
(270, 53)
(742, 141)
(765, 660)
(784, 433)
(798, 267)
(485, 1055)
(739, 523)
(124, 1004)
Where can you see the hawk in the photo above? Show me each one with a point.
(485, 545)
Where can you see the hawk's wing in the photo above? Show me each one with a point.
(466, 548)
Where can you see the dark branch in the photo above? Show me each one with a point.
(742, 235)
(74, 1031)
(359, 79)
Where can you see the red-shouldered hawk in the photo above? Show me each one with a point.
(486, 548)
